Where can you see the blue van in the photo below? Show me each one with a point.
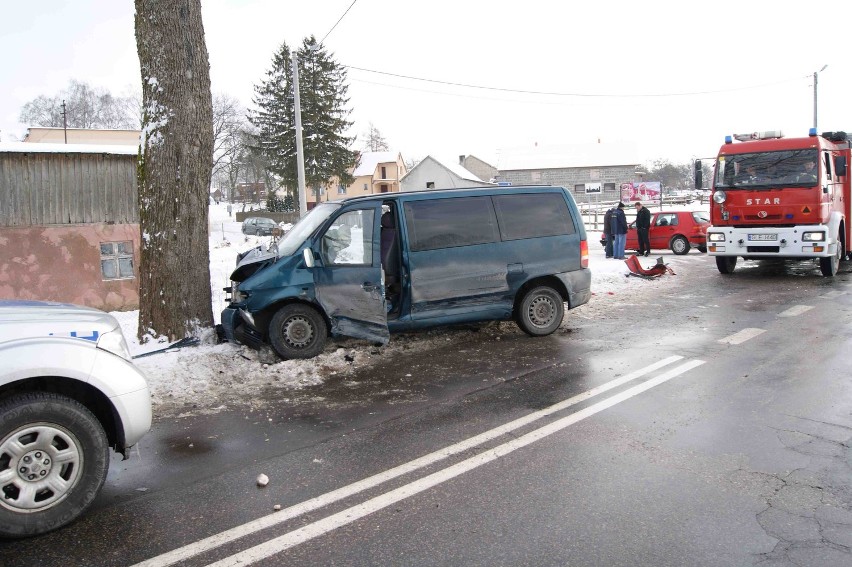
(367, 266)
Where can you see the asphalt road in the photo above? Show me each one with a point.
(707, 422)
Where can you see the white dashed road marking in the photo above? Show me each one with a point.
(742, 336)
(795, 310)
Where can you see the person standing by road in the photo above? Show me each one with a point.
(618, 229)
(643, 227)
(607, 232)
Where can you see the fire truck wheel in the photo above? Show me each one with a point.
(828, 266)
(679, 245)
(726, 264)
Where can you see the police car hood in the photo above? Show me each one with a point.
(21, 319)
(250, 261)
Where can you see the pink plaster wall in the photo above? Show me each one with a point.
(63, 263)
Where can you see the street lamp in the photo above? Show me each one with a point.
(815, 94)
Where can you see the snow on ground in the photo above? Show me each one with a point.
(211, 377)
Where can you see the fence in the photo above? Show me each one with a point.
(593, 213)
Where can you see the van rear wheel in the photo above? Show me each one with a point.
(297, 331)
(540, 312)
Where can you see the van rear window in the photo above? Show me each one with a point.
(533, 215)
(445, 223)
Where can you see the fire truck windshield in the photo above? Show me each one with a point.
(789, 168)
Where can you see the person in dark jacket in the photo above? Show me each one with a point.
(643, 226)
(618, 228)
(607, 232)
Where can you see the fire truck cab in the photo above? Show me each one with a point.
(777, 197)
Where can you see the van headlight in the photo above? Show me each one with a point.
(114, 342)
(237, 296)
(719, 197)
(715, 237)
(813, 236)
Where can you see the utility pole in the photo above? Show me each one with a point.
(816, 73)
(65, 121)
(300, 152)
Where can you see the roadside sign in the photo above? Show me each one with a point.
(593, 188)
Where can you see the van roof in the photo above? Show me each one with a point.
(491, 189)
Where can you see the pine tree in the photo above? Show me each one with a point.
(322, 96)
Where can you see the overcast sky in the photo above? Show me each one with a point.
(674, 77)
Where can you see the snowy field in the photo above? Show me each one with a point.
(211, 377)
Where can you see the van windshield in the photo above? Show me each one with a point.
(306, 226)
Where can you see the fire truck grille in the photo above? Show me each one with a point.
(765, 249)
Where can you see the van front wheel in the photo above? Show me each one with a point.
(297, 331)
(540, 311)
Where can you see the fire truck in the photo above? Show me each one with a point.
(777, 197)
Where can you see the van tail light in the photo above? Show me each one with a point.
(584, 254)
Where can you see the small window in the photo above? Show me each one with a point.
(117, 260)
(609, 187)
(447, 223)
(579, 188)
(365, 186)
(341, 189)
(430, 185)
(384, 173)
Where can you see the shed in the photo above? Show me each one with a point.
(69, 224)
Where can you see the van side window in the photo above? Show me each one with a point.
(446, 223)
(349, 240)
(533, 215)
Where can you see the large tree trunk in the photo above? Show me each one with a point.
(174, 174)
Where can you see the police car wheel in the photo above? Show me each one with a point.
(54, 458)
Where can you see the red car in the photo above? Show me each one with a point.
(676, 230)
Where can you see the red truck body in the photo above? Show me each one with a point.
(776, 197)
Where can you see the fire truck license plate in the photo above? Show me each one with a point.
(762, 237)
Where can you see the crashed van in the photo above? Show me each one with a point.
(367, 266)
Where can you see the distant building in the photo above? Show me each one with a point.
(375, 172)
(250, 192)
(479, 168)
(432, 174)
(571, 166)
(41, 135)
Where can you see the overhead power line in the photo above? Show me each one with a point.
(563, 94)
(338, 21)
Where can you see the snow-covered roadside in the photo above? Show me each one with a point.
(210, 377)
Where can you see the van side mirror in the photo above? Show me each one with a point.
(840, 166)
(309, 257)
(699, 175)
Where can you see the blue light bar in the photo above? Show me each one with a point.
(812, 132)
(729, 139)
